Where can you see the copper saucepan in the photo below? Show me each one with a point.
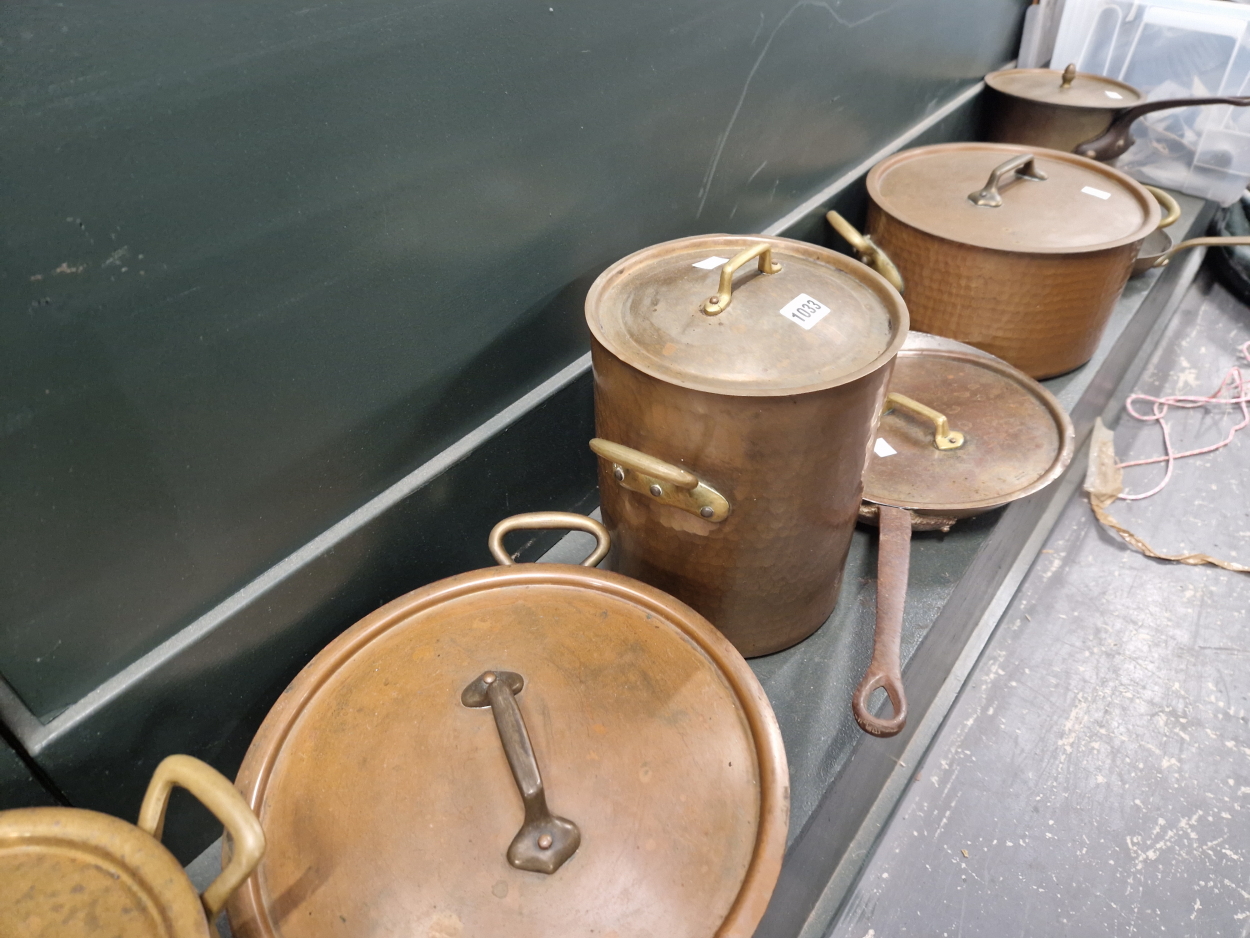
(986, 435)
(1074, 111)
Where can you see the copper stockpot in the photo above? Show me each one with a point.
(734, 419)
(1072, 111)
(71, 873)
(1021, 253)
(532, 750)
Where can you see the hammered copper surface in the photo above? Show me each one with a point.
(389, 805)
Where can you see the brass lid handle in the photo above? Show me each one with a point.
(868, 251)
(1021, 166)
(662, 481)
(724, 296)
(1069, 75)
(943, 436)
(548, 521)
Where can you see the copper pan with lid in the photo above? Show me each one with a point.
(964, 433)
(1074, 111)
(1022, 253)
(738, 380)
(529, 750)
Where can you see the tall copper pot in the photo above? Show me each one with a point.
(733, 442)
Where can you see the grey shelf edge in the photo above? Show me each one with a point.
(825, 860)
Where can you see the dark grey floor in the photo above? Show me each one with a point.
(1092, 778)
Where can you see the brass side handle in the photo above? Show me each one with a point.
(548, 521)
(724, 295)
(868, 251)
(662, 481)
(545, 841)
(943, 436)
(1020, 166)
(214, 791)
(1171, 208)
(1222, 241)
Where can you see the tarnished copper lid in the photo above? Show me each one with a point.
(381, 780)
(1015, 437)
(820, 320)
(1050, 87)
(1080, 205)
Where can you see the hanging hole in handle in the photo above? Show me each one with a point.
(549, 521)
(875, 725)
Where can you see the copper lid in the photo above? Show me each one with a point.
(1051, 87)
(821, 320)
(1080, 205)
(382, 784)
(1016, 438)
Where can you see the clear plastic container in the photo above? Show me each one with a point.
(1170, 49)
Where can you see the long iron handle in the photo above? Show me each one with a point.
(1116, 139)
(545, 841)
(885, 668)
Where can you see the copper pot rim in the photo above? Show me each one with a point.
(1147, 201)
(765, 865)
(993, 80)
(895, 306)
(962, 352)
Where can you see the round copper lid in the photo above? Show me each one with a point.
(381, 780)
(1080, 205)
(1015, 438)
(819, 320)
(1051, 87)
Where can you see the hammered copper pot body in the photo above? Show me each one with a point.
(769, 574)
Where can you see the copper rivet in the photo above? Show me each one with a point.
(488, 677)
(544, 842)
(618, 474)
(656, 491)
(706, 511)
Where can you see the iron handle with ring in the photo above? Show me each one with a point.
(885, 668)
(1116, 139)
(661, 480)
(724, 295)
(1171, 209)
(548, 521)
(1223, 241)
(215, 792)
(943, 436)
(868, 251)
(1021, 166)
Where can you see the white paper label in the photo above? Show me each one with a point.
(710, 263)
(1113, 94)
(882, 448)
(805, 311)
(1097, 193)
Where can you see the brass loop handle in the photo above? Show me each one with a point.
(1069, 74)
(662, 481)
(214, 791)
(885, 669)
(1171, 209)
(1224, 241)
(548, 521)
(943, 436)
(544, 841)
(868, 250)
(1021, 166)
(647, 465)
(724, 295)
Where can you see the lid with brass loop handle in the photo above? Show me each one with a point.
(70, 872)
(523, 750)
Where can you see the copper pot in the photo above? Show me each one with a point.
(1021, 253)
(530, 750)
(1073, 111)
(734, 418)
(80, 874)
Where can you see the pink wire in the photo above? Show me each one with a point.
(1233, 382)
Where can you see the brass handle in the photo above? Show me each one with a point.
(1022, 165)
(214, 791)
(664, 482)
(943, 436)
(885, 669)
(548, 521)
(724, 296)
(1172, 210)
(1225, 241)
(1069, 74)
(867, 249)
(544, 841)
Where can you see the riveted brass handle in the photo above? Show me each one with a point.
(1069, 75)
(885, 669)
(662, 481)
(724, 295)
(866, 249)
(1021, 166)
(943, 436)
(1171, 208)
(545, 841)
(1225, 241)
(214, 791)
(548, 521)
